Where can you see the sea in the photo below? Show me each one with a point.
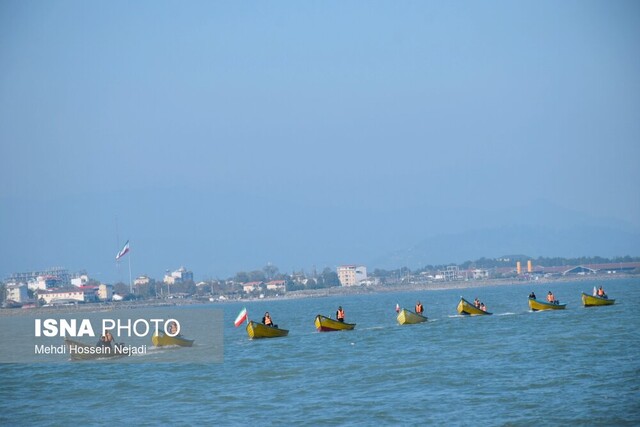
(578, 367)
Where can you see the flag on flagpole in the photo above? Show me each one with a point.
(242, 316)
(123, 251)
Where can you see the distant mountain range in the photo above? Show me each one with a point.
(576, 241)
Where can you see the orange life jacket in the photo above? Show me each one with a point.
(600, 292)
(550, 298)
(419, 308)
(340, 314)
(267, 320)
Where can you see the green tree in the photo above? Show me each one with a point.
(270, 271)
(121, 288)
(330, 278)
(257, 276)
(241, 277)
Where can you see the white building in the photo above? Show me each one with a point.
(142, 280)
(75, 294)
(276, 285)
(479, 274)
(43, 283)
(80, 280)
(180, 275)
(17, 292)
(352, 275)
(251, 287)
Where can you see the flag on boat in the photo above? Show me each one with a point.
(123, 251)
(397, 308)
(242, 316)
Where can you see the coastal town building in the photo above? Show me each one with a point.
(142, 280)
(178, 276)
(105, 292)
(80, 280)
(64, 295)
(251, 287)
(276, 285)
(480, 274)
(450, 274)
(351, 275)
(17, 292)
(60, 275)
(43, 283)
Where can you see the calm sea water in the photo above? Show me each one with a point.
(580, 366)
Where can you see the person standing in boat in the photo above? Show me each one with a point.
(483, 307)
(419, 308)
(476, 302)
(551, 298)
(340, 314)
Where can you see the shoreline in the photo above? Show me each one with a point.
(309, 293)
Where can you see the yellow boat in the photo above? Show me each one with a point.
(408, 317)
(592, 301)
(326, 324)
(164, 340)
(258, 330)
(537, 305)
(468, 309)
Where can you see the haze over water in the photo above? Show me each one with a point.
(223, 136)
(579, 366)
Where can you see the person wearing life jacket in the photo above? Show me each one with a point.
(551, 298)
(419, 308)
(340, 314)
(266, 320)
(476, 302)
(601, 293)
(483, 307)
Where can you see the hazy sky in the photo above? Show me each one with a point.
(225, 135)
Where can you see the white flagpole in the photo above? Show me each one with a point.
(130, 281)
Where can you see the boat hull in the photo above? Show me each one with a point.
(258, 330)
(468, 309)
(537, 305)
(408, 317)
(165, 340)
(593, 301)
(81, 351)
(326, 324)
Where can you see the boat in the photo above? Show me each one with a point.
(468, 309)
(165, 340)
(592, 300)
(408, 317)
(537, 305)
(327, 324)
(80, 351)
(258, 330)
